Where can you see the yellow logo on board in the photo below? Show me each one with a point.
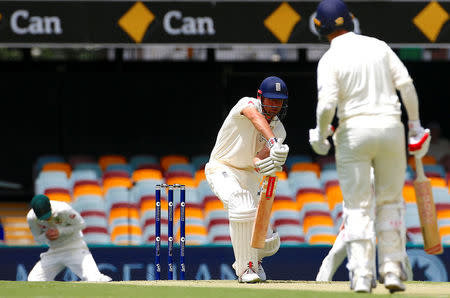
(136, 21)
(282, 21)
(431, 20)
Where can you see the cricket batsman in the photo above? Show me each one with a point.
(359, 75)
(60, 227)
(249, 146)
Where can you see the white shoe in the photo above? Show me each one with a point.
(261, 272)
(249, 276)
(393, 283)
(363, 284)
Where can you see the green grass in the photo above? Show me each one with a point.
(79, 289)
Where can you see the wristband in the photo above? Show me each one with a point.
(271, 142)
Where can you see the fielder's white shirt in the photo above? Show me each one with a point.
(64, 218)
(360, 75)
(238, 141)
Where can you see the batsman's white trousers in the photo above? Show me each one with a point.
(362, 143)
(79, 260)
(238, 191)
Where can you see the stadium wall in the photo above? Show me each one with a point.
(211, 262)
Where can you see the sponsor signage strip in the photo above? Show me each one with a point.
(125, 23)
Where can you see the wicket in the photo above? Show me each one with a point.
(170, 229)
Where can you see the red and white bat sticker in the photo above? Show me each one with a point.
(270, 187)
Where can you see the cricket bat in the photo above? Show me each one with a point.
(427, 211)
(264, 210)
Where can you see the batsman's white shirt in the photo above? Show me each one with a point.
(238, 141)
(64, 218)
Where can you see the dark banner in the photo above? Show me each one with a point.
(211, 23)
(209, 262)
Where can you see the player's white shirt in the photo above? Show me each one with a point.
(64, 218)
(238, 141)
(359, 74)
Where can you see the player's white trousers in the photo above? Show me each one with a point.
(238, 191)
(360, 145)
(79, 260)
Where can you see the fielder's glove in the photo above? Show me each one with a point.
(319, 143)
(278, 152)
(267, 167)
(418, 139)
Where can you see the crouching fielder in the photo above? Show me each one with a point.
(60, 227)
(249, 146)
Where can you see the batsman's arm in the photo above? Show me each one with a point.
(259, 121)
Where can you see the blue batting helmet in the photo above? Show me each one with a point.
(274, 88)
(332, 15)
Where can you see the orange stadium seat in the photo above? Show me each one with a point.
(409, 195)
(144, 174)
(58, 166)
(105, 160)
(437, 181)
(306, 166)
(87, 189)
(281, 175)
(308, 195)
(187, 181)
(426, 160)
(116, 182)
(199, 176)
(168, 160)
(58, 194)
(322, 239)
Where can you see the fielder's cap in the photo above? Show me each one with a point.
(273, 87)
(41, 207)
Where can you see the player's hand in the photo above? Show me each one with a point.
(52, 234)
(418, 139)
(279, 153)
(267, 167)
(319, 143)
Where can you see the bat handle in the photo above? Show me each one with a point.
(419, 168)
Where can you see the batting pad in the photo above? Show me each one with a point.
(241, 233)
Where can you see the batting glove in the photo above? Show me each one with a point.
(418, 139)
(279, 153)
(267, 167)
(319, 143)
